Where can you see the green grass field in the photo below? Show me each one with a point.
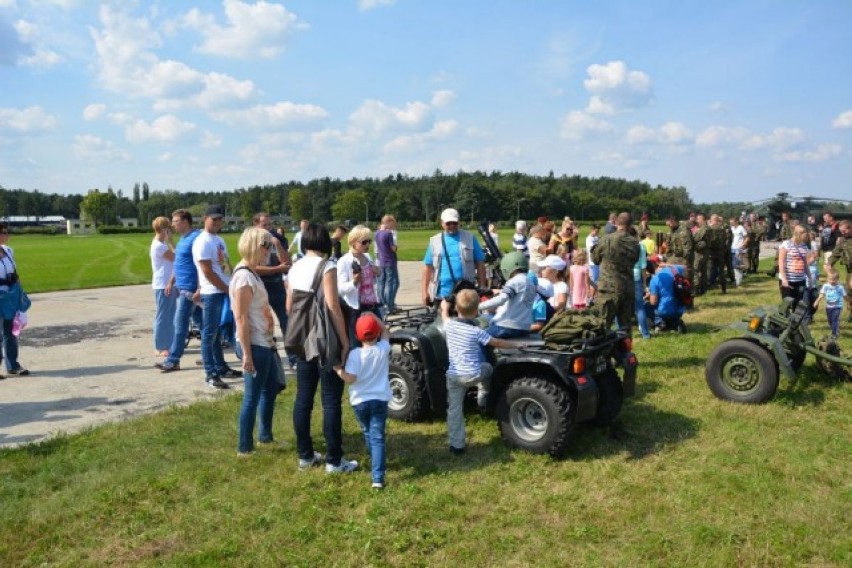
(686, 480)
(48, 263)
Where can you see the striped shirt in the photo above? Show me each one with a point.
(795, 264)
(463, 341)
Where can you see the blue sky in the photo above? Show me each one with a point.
(733, 100)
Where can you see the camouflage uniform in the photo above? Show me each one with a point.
(701, 238)
(843, 253)
(786, 233)
(682, 248)
(729, 257)
(717, 255)
(616, 254)
(757, 234)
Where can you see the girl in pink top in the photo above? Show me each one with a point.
(579, 280)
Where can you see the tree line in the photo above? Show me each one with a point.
(498, 196)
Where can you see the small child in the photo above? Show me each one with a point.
(580, 281)
(466, 368)
(366, 373)
(833, 294)
(518, 294)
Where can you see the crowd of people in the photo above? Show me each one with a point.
(622, 271)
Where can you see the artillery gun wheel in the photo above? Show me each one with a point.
(741, 371)
(833, 370)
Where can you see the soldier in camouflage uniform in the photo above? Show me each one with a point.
(701, 239)
(843, 254)
(681, 247)
(758, 231)
(717, 251)
(729, 257)
(616, 253)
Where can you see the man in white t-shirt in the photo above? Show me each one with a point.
(738, 244)
(211, 259)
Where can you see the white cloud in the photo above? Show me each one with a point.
(442, 98)
(640, 135)
(94, 148)
(615, 88)
(843, 120)
(375, 116)
(781, 138)
(675, 133)
(577, 124)
(166, 128)
(165, 157)
(30, 120)
(210, 140)
(365, 5)
(253, 30)
(440, 131)
(722, 135)
(822, 153)
(129, 66)
(718, 106)
(94, 111)
(273, 116)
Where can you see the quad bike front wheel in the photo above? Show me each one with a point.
(742, 371)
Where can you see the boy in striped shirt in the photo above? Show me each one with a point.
(464, 344)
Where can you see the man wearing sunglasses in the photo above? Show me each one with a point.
(452, 255)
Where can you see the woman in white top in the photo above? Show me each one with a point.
(356, 279)
(316, 244)
(162, 264)
(253, 319)
(8, 277)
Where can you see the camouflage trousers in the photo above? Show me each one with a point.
(753, 259)
(621, 305)
(719, 269)
(699, 267)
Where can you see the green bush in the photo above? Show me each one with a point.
(39, 230)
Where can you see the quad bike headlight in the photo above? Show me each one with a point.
(754, 324)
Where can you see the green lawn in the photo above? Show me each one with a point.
(686, 480)
(62, 262)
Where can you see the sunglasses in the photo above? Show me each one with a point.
(366, 241)
(451, 222)
(266, 244)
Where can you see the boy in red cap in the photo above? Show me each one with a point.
(366, 373)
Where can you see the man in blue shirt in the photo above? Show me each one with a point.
(667, 310)
(185, 279)
(451, 256)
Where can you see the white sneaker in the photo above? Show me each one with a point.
(345, 466)
(308, 464)
(378, 485)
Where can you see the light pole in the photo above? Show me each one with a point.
(366, 214)
(519, 208)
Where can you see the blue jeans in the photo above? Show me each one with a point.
(211, 347)
(372, 416)
(164, 319)
(185, 310)
(10, 345)
(387, 285)
(506, 332)
(833, 315)
(639, 290)
(594, 272)
(308, 377)
(260, 390)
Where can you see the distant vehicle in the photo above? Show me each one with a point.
(800, 207)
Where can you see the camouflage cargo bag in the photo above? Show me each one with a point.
(569, 327)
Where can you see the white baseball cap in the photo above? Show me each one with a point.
(554, 262)
(449, 216)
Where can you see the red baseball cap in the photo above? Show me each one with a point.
(368, 327)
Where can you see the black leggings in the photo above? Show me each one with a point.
(799, 292)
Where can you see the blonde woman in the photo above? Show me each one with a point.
(162, 265)
(794, 256)
(253, 318)
(356, 279)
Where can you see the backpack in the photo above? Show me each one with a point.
(569, 326)
(682, 288)
(310, 332)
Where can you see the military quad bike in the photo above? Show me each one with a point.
(537, 394)
(775, 342)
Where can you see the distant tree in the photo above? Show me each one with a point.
(350, 204)
(145, 192)
(299, 203)
(98, 207)
(136, 193)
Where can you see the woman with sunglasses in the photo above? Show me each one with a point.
(253, 318)
(356, 280)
